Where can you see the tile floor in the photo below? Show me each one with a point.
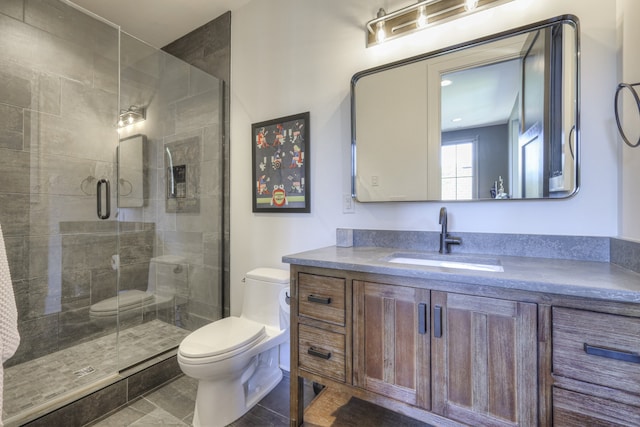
(173, 403)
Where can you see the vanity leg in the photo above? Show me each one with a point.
(297, 401)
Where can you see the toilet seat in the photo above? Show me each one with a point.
(126, 300)
(221, 339)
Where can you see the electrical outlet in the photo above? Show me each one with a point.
(374, 181)
(348, 204)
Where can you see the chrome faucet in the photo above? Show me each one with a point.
(445, 238)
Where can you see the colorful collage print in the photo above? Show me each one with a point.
(279, 164)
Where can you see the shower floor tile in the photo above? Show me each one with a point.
(34, 383)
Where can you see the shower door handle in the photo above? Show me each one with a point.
(107, 213)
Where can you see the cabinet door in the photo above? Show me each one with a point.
(484, 360)
(391, 341)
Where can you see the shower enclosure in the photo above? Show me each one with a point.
(97, 213)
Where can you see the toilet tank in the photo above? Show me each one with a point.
(261, 295)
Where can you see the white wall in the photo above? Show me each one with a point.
(291, 56)
(629, 72)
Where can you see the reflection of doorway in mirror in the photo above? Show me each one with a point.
(532, 173)
(458, 171)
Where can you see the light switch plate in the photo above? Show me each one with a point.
(348, 204)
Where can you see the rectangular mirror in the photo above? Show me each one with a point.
(131, 172)
(492, 119)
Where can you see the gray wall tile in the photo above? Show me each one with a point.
(14, 89)
(13, 165)
(87, 409)
(11, 127)
(153, 377)
(14, 214)
(13, 8)
(70, 24)
(38, 51)
(37, 337)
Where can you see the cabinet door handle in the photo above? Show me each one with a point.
(423, 309)
(319, 300)
(326, 355)
(437, 321)
(612, 354)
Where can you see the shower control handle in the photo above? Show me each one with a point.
(107, 213)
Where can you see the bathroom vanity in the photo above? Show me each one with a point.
(438, 338)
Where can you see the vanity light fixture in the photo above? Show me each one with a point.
(420, 15)
(133, 114)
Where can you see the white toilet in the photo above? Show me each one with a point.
(167, 273)
(235, 359)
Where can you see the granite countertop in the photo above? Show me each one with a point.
(589, 279)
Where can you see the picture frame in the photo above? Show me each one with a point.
(280, 160)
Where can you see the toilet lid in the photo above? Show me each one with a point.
(221, 336)
(125, 300)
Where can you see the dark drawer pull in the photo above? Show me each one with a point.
(437, 321)
(319, 300)
(318, 353)
(612, 354)
(423, 309)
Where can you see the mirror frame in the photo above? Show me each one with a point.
(567, 18)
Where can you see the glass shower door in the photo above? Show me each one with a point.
(59, 84)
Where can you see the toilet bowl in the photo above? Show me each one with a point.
(166, 273)
(236, 359)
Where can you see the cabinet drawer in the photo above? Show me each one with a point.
(598, 348)
(322, 298)
(321, 352)
(577, 409)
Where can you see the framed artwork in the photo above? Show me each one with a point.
(280, 157)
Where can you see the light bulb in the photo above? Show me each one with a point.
(381, 34)
(421, 22)
(470, 5)
(121, 123)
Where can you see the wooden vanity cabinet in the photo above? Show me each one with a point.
(445, 358)
(596, 368)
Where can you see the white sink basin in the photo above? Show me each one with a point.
(485, 265)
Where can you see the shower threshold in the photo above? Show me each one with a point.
(39, 386)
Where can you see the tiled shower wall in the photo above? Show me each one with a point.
(58, 106)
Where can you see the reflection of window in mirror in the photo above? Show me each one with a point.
(458, 171)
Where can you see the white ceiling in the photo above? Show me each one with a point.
(480, 96)
(159, 22)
